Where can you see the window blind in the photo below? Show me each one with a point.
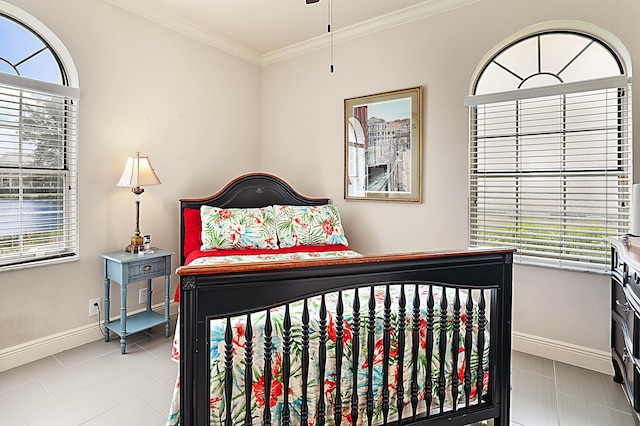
(38, 172)
(550, 171)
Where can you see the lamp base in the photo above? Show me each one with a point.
(137, 244)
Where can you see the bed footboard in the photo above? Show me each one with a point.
(410, 339)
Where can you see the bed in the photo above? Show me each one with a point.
(307, 331)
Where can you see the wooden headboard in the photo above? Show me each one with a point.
(252, 190)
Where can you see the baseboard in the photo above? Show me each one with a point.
(580, 356)
(49, 345)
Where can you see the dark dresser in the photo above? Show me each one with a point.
(625, 316)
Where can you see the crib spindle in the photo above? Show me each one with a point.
(393, 341)
(286, 367)
(415, 345)
(268, 347)
(337, 406)
(370, 352)
(322, 359)
(402, 316)
(386, 338)
(304, 409)
(228, 370)
(442, 380)
(481, 326)
(355, 328)
(455, 349)
(468, 346)
(428, 387)
(248, 371)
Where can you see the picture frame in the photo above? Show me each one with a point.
(383, 146)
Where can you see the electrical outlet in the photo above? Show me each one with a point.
(93, 306)
(142, 297)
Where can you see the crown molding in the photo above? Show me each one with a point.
(380, 23)
(420, 11)
(188, 29)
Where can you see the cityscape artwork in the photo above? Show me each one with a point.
(383, 138)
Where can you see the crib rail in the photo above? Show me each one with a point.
(473, 279)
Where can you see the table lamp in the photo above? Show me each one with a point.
(138, 172)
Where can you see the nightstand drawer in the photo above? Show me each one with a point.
(126, 268)
(147, 269)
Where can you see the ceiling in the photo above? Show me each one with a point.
(264, 31)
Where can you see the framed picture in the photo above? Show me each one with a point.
(383, 146)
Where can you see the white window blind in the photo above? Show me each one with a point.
(38, 171)
(550, 171)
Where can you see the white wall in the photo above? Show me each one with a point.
(205, 117)
(302, 116)
(193, 109)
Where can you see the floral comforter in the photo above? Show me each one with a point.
(272, 257)
(275, 404)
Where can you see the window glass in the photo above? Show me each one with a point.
(550, 160)
(547, 59)
(24, 53)
(38, 151)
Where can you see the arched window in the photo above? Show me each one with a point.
(550, 159)
(38, 144)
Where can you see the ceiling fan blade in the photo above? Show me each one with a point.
(312, 1)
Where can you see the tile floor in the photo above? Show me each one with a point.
(550, 393)
(95, 385)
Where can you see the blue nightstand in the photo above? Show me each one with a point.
(125, 268)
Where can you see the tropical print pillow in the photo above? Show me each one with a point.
(308, 225)
(238, 228)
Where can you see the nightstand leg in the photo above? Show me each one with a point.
(166, 305)
(149, 295)
(107, 308)
(123, 319)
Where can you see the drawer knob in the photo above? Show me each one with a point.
(146, 268)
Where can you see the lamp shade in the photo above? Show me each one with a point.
(138, 172)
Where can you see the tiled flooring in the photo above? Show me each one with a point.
(95, 385)
(549, 393)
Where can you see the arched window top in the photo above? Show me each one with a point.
(27, 55)
(550, 54)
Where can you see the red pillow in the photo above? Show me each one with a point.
(192, 231)
(192, 236)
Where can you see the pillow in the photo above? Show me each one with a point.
(308, 225)
(192, 231)
(238, 228)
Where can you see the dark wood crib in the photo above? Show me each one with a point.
(428, 306)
